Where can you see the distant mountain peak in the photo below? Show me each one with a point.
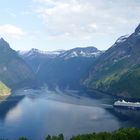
(137, 30)
(89, 48)
(64, 54)
(34, 50)
(81, 52)
(92, 47)
(2, 39)
(4, 43)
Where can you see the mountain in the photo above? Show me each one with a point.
(61, 68)
(65, 54)
(14, 72)
(117, 71)
(38, 53)
(35, 58)
(81, 52)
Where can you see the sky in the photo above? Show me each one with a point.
(65, 24)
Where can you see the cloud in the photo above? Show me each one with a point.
(11, 31)
(82, 18)
(71, 18)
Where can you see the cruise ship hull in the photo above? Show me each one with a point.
(127, 107)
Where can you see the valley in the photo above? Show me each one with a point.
(64, 69)
(75, 87)
(70, 70)
(114, 71)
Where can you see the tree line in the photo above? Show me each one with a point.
(120, 134)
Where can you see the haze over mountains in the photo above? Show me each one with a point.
(64, 69)
(115, 71)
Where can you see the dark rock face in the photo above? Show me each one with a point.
(137, 29)
(14, 72)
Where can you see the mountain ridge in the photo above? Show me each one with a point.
(79, 52)
(14, 72)
(64, 68)
(115, 70)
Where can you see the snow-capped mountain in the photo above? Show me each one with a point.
(65, 54)
(81, 52)
(117, 71)
(39, 53)
(61, 68)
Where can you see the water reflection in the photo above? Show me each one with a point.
(129, 114)
(8, 104)
(40, 113)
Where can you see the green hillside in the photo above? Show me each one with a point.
(4, 90)
(125, 83)
(117, 71)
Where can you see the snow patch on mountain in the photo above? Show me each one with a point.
(122, 39)
(65, 54)
(81, 52)
(36, 52)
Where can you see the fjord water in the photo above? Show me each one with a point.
(37, 113)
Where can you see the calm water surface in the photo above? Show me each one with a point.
(37, 113)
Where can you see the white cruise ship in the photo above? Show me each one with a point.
(129, 105)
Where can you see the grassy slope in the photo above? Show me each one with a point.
(117, 71)
(122, 83)
(4, 90)
(128, 84)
